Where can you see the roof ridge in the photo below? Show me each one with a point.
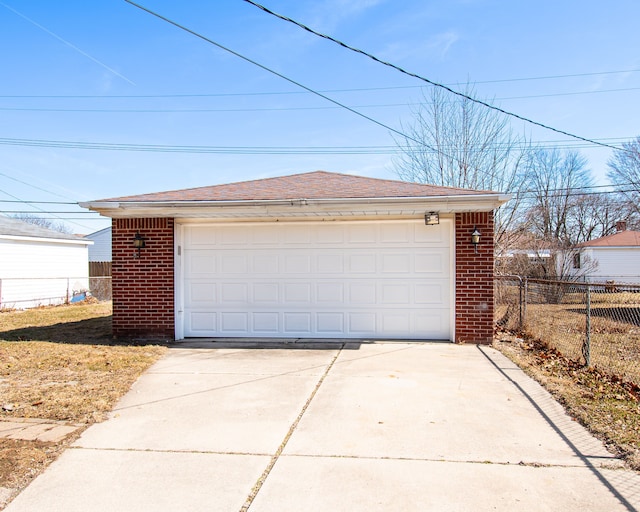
(307, 179)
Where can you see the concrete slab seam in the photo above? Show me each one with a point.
(153, 450)
(559, 431)
(532, 464)
(258, 485)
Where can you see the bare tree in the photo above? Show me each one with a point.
(558, 197)
(42, 222)
(624, 171)
(460, 143)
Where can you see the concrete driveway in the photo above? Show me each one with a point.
(337, 427)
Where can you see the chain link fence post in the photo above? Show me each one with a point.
(586, 347)
(524, 303)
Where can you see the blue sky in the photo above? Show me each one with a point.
(106, 72)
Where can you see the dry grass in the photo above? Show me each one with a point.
(605, 405)
(60, 363)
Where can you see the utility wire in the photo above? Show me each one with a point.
(32, 185)
(278, 109)
(431, 82)
(259, 150)
(280, 75)
(275, 93)
(53, 214)
(36, 202)
(558, 193)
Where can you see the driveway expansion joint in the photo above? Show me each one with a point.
(258, 485)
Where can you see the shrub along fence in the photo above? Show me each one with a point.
(595, 324)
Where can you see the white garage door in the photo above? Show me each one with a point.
(318, 280)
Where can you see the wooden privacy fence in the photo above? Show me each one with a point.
(99, 268)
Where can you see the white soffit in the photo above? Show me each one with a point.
(300, 208)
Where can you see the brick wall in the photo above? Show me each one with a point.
(474, 279)
(143, 287)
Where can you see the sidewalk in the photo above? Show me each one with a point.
(32, 429)
(371, 427)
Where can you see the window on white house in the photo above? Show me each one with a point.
(576, 260)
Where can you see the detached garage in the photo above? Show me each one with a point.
(314, 255)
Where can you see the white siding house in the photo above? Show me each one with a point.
(39, 266)
(101, 248)
(610, 258)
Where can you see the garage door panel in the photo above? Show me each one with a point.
(266, 264)
(297, 293)
(436, 292)
(330, 323)
(330, 263)
(397, 263)
(330, 234)
(266, 323)
(266, 293)
(361, 264)
(363, 234)
(203, 322)
(432, 262)
(297, 323)
(398, 234)
(203, 263)
(362, 323)
(235, 292)
(330, 292)
(432, 236)
(348, 279)
(201, 292)
(395, 294)
(362, 293)
(233, 263)
(234, 322)
(297, 264)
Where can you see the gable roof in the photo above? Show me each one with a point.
(318, 194)
(621, 239)
(14, 228)
(310, 185)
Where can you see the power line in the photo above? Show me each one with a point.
(431, 82)
(41, 211)
(276, 93)
(32, 185)
(261, 150)
(280, 75)
(280, 109)
(36, 202)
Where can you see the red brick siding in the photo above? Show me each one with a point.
(474, 279)
(143, 288)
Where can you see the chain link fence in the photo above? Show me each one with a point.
(597, 324)
(24, 293)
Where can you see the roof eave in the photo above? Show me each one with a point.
(303, 206)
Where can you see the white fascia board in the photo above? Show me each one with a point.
(301, 207)
(65, 241)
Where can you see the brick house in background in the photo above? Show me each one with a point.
(313, 255)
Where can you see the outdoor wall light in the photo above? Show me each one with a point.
(475, 238)
(139, 242)
(431, 218)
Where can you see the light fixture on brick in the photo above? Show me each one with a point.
(475, 238)
(139, 242)
(431, 218)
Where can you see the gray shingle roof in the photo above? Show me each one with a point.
(310, 185)
(15, 227)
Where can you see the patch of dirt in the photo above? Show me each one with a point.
(21, 462)
(60, 363)
(607, 406)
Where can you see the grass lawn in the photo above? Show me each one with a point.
(59, 363)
